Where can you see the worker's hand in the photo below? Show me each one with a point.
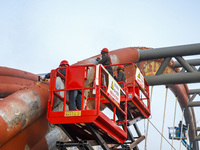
(40, 78)
(98, 59)
(115, 77)
(44, 79)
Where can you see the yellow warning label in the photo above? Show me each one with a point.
(112, 87)
(139, 75)
(72, 113)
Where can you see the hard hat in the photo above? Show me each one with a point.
(120, 67)
(105, 50)
(64, 62)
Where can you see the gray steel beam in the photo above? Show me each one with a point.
(183, 70)
(194, 104)
(134, 144)
(184, 50)
(194, 91)
(197, 128)
(194, 68)
(163, 66)
(184, 64)
(197, 138)
(192, 62)
(192, 98)
(173, 78)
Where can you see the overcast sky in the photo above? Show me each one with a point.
(35, 35)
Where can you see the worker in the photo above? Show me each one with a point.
(63, 63)
(184, 128)
(105, 60)
(74, 96)
(121, 78)
(59, 83)
(177, 133)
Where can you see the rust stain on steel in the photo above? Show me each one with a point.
(150, 67)
(30, 136)
(22, 108)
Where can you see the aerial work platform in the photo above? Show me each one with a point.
(103, 114)
(176, 134)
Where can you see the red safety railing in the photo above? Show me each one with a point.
(137, 89)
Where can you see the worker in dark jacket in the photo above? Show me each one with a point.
(74, 96)
(105, 60)
(63, 63)
(184, 128)
(121, 78)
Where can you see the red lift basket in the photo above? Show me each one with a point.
(100, 92)
(75, 122)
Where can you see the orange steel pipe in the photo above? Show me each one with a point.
(122, 55)
(181, 93)
(11, 80)
(29, 137)
(5, 71)
(9, 85)
(19, 110)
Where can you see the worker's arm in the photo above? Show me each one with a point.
(115, 78)
(98, 59)
(103, 60)
(47, 76)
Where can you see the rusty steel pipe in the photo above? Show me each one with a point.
(30, 136)
(122, 55)
(22, 108)
(11, 80)
(181, 93)
(5, 71)
(9, 85)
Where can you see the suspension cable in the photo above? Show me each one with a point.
(174, 120)
(161, 134)
(163, 118)
(148, 119)
(181, 129)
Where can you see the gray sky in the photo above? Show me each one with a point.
(35, 35)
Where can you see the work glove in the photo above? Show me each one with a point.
(98, 59)
(40, 78)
